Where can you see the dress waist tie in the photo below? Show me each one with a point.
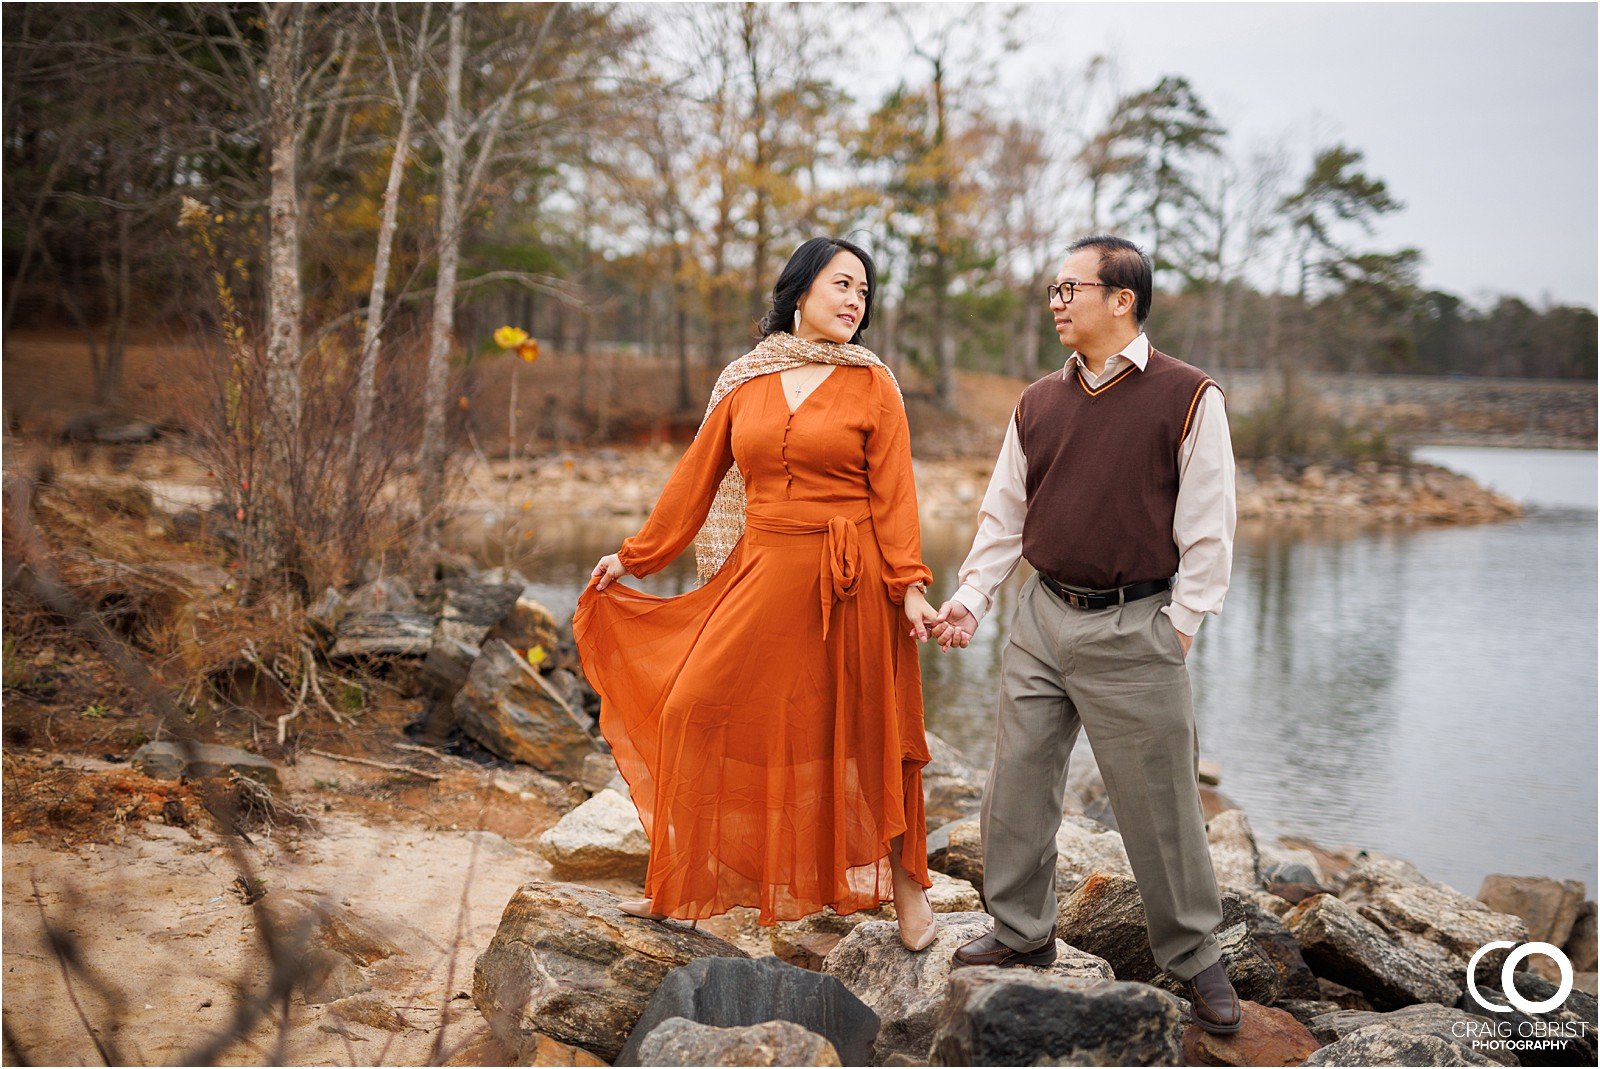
(840, 573)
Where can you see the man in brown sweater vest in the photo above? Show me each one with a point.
(1115, 479)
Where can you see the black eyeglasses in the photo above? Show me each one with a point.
(1065, 291)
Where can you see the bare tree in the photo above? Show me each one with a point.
(388, 218)
(285, 304)
(431, 458)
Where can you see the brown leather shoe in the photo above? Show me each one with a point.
(988, 950)
(1216, 1006)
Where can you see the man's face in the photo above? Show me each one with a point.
(1091, 315)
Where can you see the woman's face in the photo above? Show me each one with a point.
(832, 308)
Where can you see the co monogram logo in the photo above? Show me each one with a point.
(1508, 979)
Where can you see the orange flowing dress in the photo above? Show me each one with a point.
(769, 722)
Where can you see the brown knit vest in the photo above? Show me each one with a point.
(1102, 475)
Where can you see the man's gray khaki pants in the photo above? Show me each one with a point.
(1120, 674)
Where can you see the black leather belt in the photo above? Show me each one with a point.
(1104, 599)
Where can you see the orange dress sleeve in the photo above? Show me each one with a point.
(892, 489)
(686, 500)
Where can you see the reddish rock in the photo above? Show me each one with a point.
(542, 1051)
(1548, 907)
(1214, 802)
(1295, 893)
(1268, 1036)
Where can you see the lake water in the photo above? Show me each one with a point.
(1425, 693)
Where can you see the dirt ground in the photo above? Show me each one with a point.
(157, 915)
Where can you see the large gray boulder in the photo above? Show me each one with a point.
(1447, 1023)
(173, 760)
(1234, 855)
(950, 895)
(1085, 847)
(952, 787)
(567, 963)
(807, 942)
(470, 611)
(679, 1041)
(1284, 864)
(1022, 1017)
(1379, 1044)
(377, 634)
(956, 849)
(1371, 872)
(1085, 786)
(1342, 945)
(602, 838)
(514, 712)
(1272, 939)
(1105, 916)
(905, 990)
(1442, 925)
(737, 992)
(1565, 1034)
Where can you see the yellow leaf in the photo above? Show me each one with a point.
(510, 337)
(536, 655)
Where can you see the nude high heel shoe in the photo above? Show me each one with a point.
(640, 907)
(922, 938)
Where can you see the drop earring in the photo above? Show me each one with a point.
(796, 330)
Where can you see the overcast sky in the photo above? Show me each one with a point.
(1480, 117)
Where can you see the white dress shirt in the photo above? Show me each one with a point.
(1202, 525)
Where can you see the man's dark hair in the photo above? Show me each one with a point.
(795, 279)
(1122, 264)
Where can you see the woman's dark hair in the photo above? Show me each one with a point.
(802, 270)
(1123, 265)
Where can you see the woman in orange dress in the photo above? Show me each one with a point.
(769, 722)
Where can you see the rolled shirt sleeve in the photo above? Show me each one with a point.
(1205, 518)
(997, 546)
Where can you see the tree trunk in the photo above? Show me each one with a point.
(284, 304)
(719, 267)
(943, 345)
(758, 124)
(1014, 326)
(432, 457)
(268, 539)
(680, 338)
(108, 382)
(366, 377)
(1030, 344)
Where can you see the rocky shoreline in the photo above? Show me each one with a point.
(1342, 956)
(618, 482)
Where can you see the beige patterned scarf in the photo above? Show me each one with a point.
(778, 351)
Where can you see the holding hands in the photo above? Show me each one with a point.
(954, 626)
(920, 613)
